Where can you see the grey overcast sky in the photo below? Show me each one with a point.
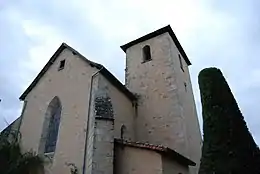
(219, 33)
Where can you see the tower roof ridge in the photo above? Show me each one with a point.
(157, 33)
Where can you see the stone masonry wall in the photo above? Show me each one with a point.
(71, 85)
(112, 109)
(103, 152)
(188, 107)
(103, 139)
(123, 110)
(91, 128)
(160, 119)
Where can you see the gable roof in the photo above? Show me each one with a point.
(100, 67)
(10, 126)
(158, 148)
(157, 33)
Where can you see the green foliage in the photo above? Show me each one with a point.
(13, 161)
(228, 146)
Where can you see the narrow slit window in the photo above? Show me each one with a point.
(185, 86)
(181, 65)
(62, 64)
(122, 131)
(146, 53)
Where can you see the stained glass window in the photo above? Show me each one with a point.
(53, 117)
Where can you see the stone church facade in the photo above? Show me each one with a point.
(76, 111)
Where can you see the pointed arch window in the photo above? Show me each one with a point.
(51, 126)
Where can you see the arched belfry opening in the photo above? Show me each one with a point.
(147, 53)
(51, 126)
(122, 132)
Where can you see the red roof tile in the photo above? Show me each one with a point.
(158, 148)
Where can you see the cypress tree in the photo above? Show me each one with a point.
(228, 146)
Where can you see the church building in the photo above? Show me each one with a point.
(76, 111)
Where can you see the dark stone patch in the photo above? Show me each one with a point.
(103, 107)
(104, 118)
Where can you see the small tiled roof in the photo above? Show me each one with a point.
(158, 148)
(100, 67)
(157, 33)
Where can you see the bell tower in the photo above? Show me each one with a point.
(157, 71)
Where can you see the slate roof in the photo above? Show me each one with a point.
(9, 127)
(157, 33)
(158, 148)
(100, 67)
